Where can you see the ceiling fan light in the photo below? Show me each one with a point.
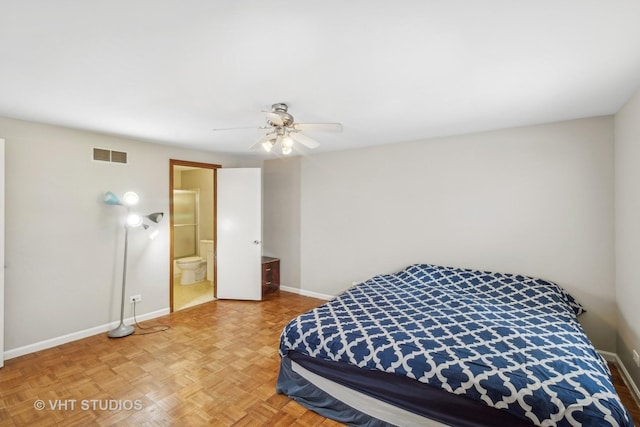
(286, 141)
(268, 145)
(286, 150)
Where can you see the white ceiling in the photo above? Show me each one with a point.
(170, 71)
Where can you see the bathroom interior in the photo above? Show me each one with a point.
(193, 236)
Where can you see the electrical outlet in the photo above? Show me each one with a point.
(135, 298)
(636, 358)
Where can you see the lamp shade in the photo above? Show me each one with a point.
(155, 217)
(149, 223)
(151, 230)
(111, 199)
(134, 220)
(130, 198)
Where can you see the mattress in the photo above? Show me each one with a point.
(508, 343)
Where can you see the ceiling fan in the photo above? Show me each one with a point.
(283, 131)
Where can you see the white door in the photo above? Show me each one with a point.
(2, 252)
(239, 228)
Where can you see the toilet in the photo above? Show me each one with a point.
(195, 269)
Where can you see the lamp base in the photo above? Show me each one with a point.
(121, 331)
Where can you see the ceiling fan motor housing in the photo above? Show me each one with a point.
(281, 111)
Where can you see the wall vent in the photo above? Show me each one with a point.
(118, 157)
(111, 156)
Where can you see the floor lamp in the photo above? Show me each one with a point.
(133, 220)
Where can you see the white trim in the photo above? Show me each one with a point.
(316, 294)
(347, 288)
(628, 380)
(608, 356)
(306, 293)
(52, 342)
(626, 377)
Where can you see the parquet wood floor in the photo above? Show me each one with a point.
(216, 365)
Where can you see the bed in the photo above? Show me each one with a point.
(434, 345)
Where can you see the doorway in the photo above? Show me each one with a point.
(193, 233)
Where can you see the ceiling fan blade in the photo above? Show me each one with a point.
(264, 138)
(240, 128)
(304, 140)
(324, 127)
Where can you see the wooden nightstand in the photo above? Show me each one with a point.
(270, 275)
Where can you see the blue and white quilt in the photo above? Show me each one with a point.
(510, 341)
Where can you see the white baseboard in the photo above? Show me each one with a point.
(608, 356)
(306, 293)
(613, 357)
(52, 342)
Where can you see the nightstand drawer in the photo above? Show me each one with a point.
(270, 275)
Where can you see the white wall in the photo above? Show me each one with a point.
(281, 216)
(64, 246)
(534, 200)
(627, 178)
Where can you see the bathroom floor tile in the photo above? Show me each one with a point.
(185, 296)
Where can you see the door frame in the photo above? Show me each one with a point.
(200, 165)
